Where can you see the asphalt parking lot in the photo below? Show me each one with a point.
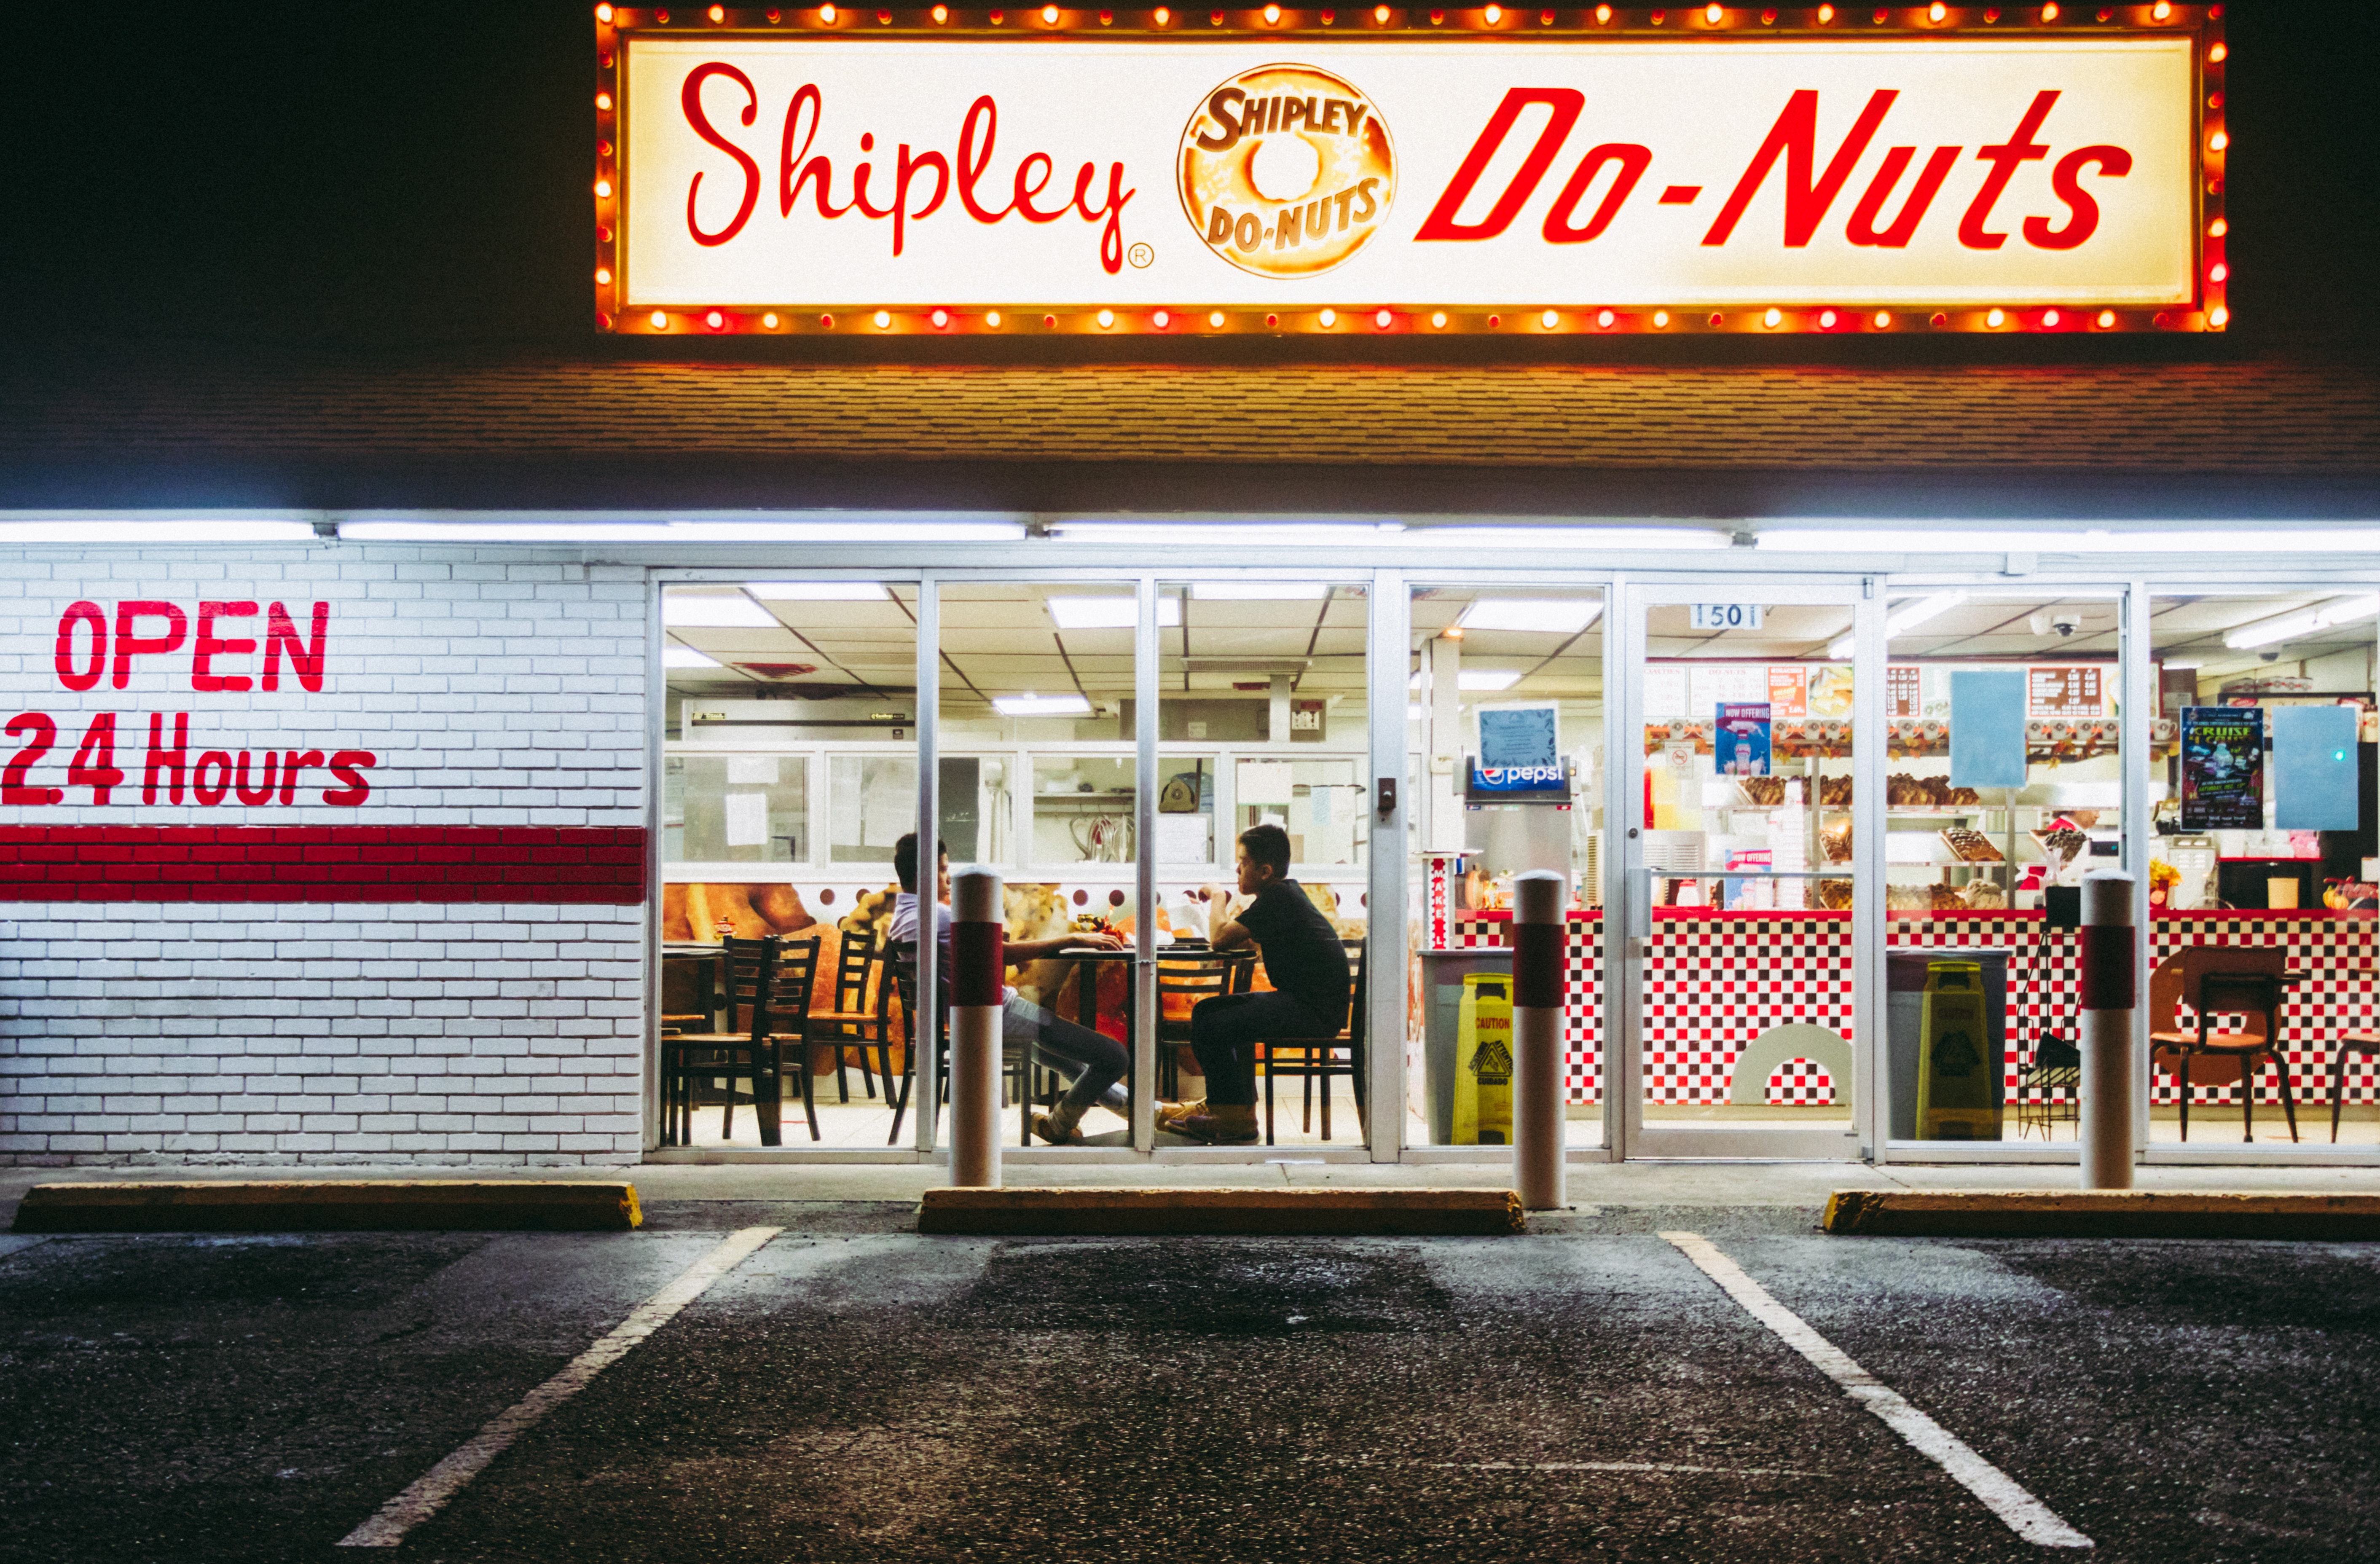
(850, 1390)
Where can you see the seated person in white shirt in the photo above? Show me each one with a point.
(1099, 1060)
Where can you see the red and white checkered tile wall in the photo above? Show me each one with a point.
(1713, 984)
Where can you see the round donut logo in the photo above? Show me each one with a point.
(1286, 171)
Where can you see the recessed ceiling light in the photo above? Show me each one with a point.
(737, 612)
(685, 657)
(1041, 705)
(818, 592)
(1555, 616)
(1489, 679)
(1108, 613)
(1259, 591)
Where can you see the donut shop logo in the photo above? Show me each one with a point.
(1286, 171)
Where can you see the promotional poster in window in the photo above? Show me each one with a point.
(2222, 768)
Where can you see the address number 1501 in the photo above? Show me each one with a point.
(1726, 616)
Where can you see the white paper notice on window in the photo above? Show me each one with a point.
(1181, 839)
(1266, 781)
(747, 819)
(752, 771)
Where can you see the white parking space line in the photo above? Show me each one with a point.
(2002, 1495)
(443, 1481)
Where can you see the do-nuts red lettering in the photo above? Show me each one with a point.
(1810, 192)
(921, 182)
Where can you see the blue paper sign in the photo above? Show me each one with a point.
(1987, 727)
(2313, 767)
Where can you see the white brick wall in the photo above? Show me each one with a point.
(496, 688)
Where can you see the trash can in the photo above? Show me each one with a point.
(1905, 970)
(1442, 973)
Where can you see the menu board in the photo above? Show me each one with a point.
(2069, 690)
(2222, 768)
(1789, 690)
(1902, 684)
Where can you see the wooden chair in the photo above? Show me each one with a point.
(2363, 1045)
(1183, 979)
(901, 967)
(856, 1020)
(2056, 1067)
(788, 1024)
(2242, 980)
(690, 1059)
(1313, 1060)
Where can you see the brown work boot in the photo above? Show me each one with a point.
(1219, 1124)
(1169, 1114)
(1058, 1128)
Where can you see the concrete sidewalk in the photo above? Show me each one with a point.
(1771, 1184)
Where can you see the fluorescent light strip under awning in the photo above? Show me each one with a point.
(1916, 538)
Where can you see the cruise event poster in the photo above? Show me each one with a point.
(2222, 768)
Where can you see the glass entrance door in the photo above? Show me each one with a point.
(1748, 768)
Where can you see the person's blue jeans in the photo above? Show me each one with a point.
(1097, 1058)
(1225, 1030)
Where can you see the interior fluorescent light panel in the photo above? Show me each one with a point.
(685, 657)
(1552, 617)
(1041, 705)
(2305, 622)
(818, 592)
(1110, 614)
(1487, 680)
(1258, 591)
(738, 613)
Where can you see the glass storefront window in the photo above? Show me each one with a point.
(871, 804)
(2260, 765)
(2005, 786)
(1748, 747)
(1319, 803)
(737, 808)
(1262, 720)
(1083, 809)
(789, 772)
(1493, 668)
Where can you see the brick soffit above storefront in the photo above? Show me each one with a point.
(2247, 438)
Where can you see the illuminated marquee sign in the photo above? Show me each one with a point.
(1382, 170)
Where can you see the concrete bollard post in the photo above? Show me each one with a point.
(1537, 1167)
(978, 928)
(2109, 995)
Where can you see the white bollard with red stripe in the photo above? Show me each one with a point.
(2110, 991)
(978, 929)
(1537, 1167)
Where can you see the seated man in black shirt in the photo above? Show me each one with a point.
(1307, 965)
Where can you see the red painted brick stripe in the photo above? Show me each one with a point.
(598, 865)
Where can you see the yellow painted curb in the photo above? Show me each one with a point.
(331, 1205)
(2133, 1213)
(1127, 1212)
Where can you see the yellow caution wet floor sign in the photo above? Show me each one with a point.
(1483, 1062)
(1956, 1100)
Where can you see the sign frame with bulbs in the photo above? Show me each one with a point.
(930, 172)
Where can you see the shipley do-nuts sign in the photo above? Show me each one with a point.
(804, 170)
